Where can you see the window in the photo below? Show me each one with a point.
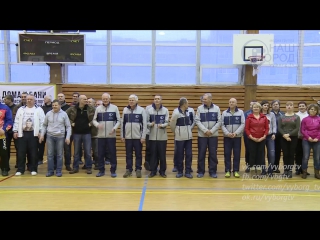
(100, 36)
(131, 36)
(219, 75)
(176, 36)
(131, 54)
(311, 55)
(216, 55)
(312, 36)
(13, 53)
(14, 36)
(277, 76)
(2, 73)
(87, 74)
(25, 73)
(175, 75)
(310, 75)
(218, 36)
(1, 35)
(175, 55)
(96, 54)
(1, 53)
(283, 36)
(130, 75)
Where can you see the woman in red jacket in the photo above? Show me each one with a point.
(257, 129)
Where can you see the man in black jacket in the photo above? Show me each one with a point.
(9, 101)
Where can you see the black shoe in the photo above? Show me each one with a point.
(89, 171)
(152, 174)
(74, 171)
(68, 168)
(276, 171)
(146, 165)
(84, 167)
(5, 172)
(247, 169)
(163, 175)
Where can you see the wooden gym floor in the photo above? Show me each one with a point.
(87, 192)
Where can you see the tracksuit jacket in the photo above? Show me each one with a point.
(160, 116)
(181, 124)
(233, 123)
(109, 117)
(208, 118)
(134, 123)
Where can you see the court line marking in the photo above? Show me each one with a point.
(159, 188)
(164, 179)
(6, 178)
(143, 194)
(154, 192)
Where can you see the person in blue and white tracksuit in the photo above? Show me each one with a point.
(233, 123)
(157, 121)
(192, 114)
(133, 133)
(208, 120)
(107, 120)
(181, 124)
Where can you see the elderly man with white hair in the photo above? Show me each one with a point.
(133, 133)
(107, 120)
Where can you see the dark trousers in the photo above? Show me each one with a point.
(232, 146)
(246, 148)
(136, 146)
(257, 153)
(110, 143)
(210, 143)
(278, 149)
(158, 151)
(81, 150)
(184, 150)
(27, 143)
(41, 147)
(298, 155)
(4, 160)
(288, 149)
(8, 142)
(107, 155)
(147, 157)
(94, 149)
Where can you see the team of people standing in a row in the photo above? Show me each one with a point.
(92, 128)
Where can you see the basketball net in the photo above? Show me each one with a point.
(256, 62)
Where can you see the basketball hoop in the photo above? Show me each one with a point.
(256, 62)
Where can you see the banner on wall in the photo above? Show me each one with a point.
(39, 91)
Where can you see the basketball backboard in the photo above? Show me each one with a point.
(248, 45)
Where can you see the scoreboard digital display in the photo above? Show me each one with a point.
(51, 48)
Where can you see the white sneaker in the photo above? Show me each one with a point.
(18, 174)
(34, 173)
